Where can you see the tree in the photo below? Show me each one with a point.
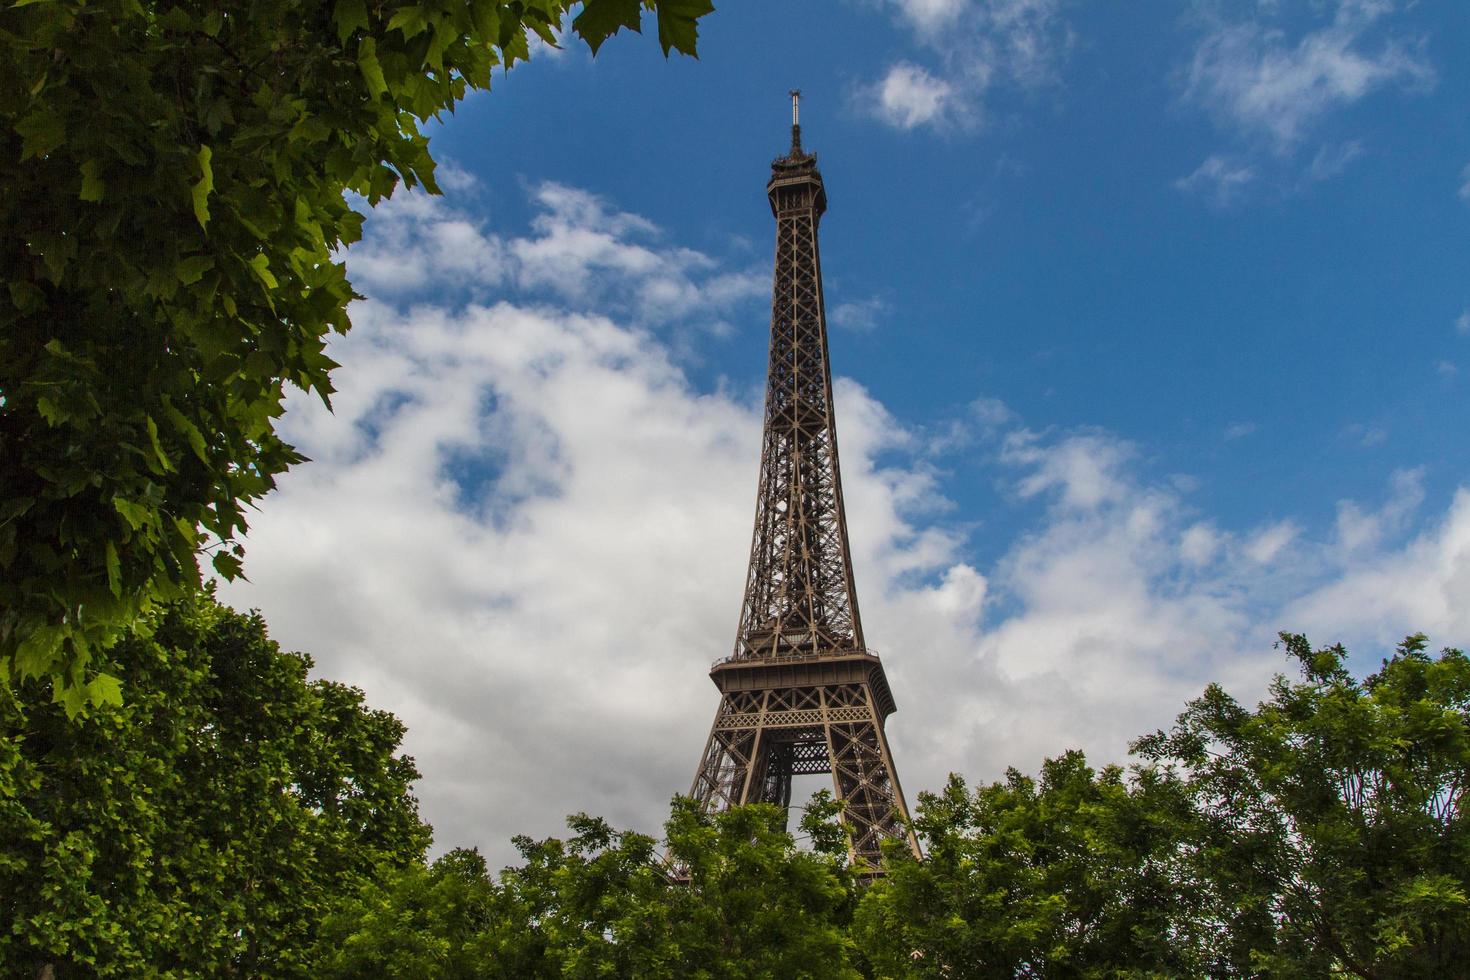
(1073, 874)
(172, 202)
(425, 923)
(732, 898)
(205, 826)
(754, 905)
(1331, 833)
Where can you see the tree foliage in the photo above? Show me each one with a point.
(732, 897)
(204, 827)
(1321, 834)
(1073, 874)
(1331, 832)
(172, 199)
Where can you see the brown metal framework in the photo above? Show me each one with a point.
(801, 693)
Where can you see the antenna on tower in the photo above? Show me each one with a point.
(795, 121)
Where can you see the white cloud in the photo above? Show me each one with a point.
(1367, 436)
(1199, 544)
(455, 179)
(1269, 85)
(1085, 468)
(909, 96)
(1359, 529)
(1274, 86)
(416, 243)
(1465, 184)
(991, 413)
(860, 316)
(1239, 430)
(1332, 159)
(1420, 587)
(1218, 179)
(1265, 545)
(579, 252)
(975, 45)
(1462, 322)
(524, 531)
(930, 17)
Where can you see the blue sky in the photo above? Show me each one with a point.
(1152, 329)
(1283, 327)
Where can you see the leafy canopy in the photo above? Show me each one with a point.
(732, 898)
(1331, 831)
(171, 202)
(1071, 874)
(204, 827)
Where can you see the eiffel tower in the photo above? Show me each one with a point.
(801, 693)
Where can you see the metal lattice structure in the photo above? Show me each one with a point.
(801, 693)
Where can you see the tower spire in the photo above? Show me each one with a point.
(801, 693)
(796, 122)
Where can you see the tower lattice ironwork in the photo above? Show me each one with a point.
(801, 693)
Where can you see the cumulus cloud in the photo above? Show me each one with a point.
(1417, 587)
(1359, 529)
(579, 251)
(1465, 184)
(415, 243)
(909, 96)
(524, 531)
(1266, 544)
(973, 45)
(1085, 468)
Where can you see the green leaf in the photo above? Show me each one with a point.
(601, 19)
(41, 131)
(204, 185)
(71, 697)
(227, 565)
(677, 27)
(26, 296)
(372, 72)
(191, 431)
(262, 267)
(134, 513)
(114, 569)
(189, 270)
(92, 183)
(349, 15)
(410, 21)
(543, 29)
(104, 689)
(53, 413)
(486, 17)
(163, 460)
(37, 651)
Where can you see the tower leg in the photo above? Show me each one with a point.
(761, 739)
